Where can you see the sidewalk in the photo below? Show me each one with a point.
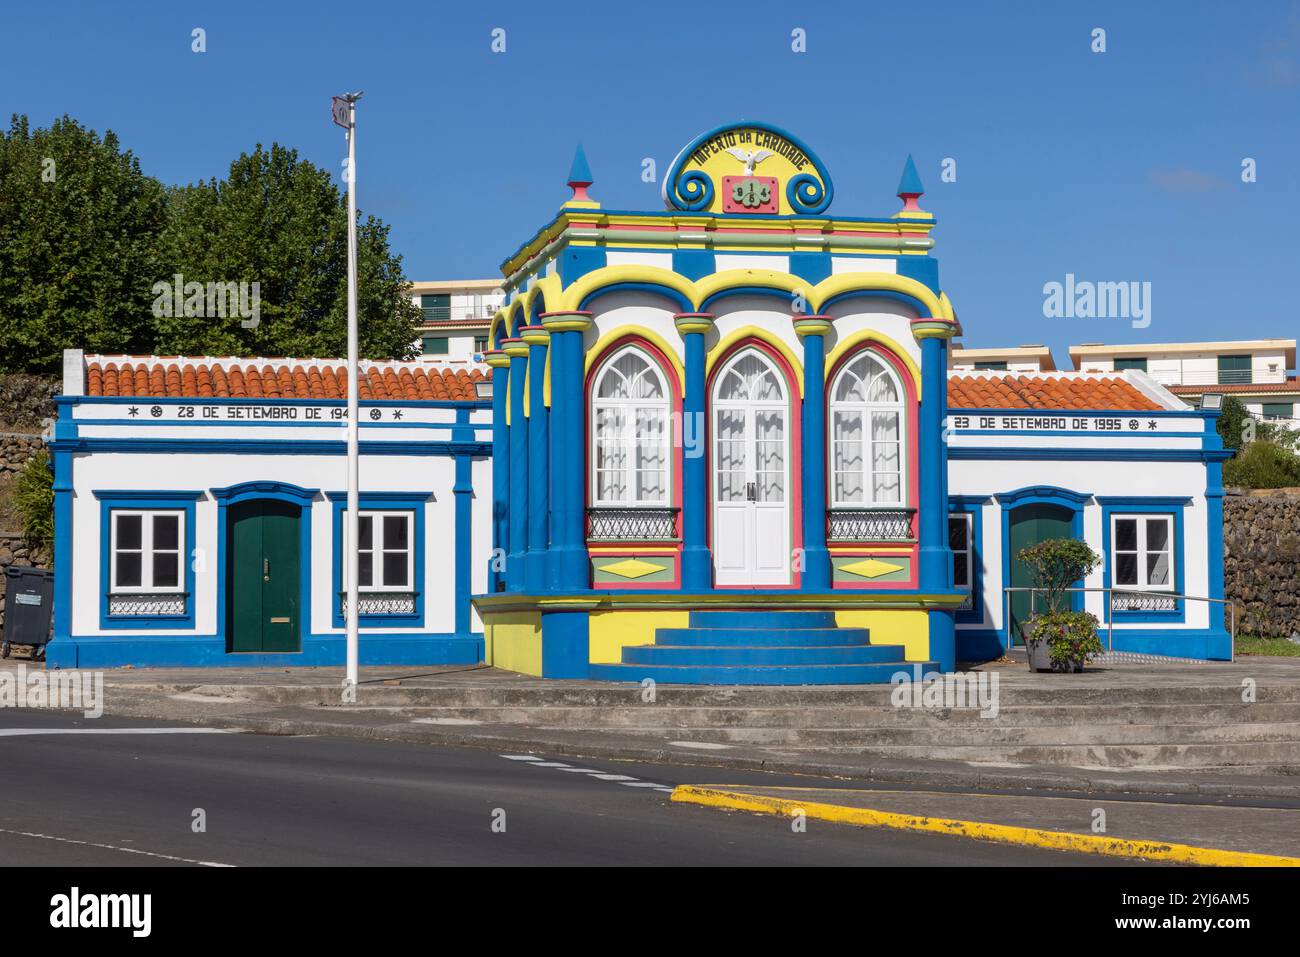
(1173, 833)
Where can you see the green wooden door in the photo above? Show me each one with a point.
(263, 572)
(1031, 524)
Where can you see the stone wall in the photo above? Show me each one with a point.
(26, 401)
(1261, 544)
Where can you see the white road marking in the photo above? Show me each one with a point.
(114, 847)
(702, 745)
(445, 721)
(625, 779)
(18, 732)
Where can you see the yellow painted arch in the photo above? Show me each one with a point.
(598, 279)
(707, 286)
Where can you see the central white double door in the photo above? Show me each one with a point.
(751, 473)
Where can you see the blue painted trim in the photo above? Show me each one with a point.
(412, 502)
(817, 559)
(278, 491)
(934, 556)
(568, 565)
(1067, 499)
(500, 480)
(565, 643)
(270, 447)
(518, 475)
(131, 500)
(463, 490)
(1048, 494)
(697, 558)
(208, 651)
(63, 543)
(921, 309)
(1143, 505)
(1090, 455)
(539, 473)
(667, 292)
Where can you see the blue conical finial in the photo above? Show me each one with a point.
(580, 172)
(910, 184)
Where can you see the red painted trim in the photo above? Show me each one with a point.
(796, 452)
(675, 417)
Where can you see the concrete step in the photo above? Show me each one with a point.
(753, 674)
(759, 619)
(768, 636)
(1109, 702)
(762, 654)
(837, 738)
(657, 715)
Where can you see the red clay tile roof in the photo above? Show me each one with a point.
(179, 377)
(1046, 392)
(1290, 385)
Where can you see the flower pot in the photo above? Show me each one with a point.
(1038, 650)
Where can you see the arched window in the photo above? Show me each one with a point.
(630, 432)
(867, 439)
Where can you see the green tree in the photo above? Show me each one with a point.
(79, 224)
(1262, 464)
(1232, 422)
(281, 222)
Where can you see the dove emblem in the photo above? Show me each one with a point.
(750, 158)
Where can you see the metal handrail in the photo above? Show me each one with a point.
(1110, 617)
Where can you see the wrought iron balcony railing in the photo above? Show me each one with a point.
(146, 604)
(380, 603)
(869, 524)
(643, 524)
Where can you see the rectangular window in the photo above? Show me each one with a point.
(882, 482)
(1142, 559)
(1139, 364)
(1278, 410)
(435, 345)
(146, 551)
(436, 307)
(959, 540)
(480, 343)
(990, 367)
(385, 557)
(1234, 370)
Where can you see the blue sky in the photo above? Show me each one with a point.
(1115, 166)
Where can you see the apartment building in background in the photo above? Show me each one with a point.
(456, 316)
(1027, 358)
(1259, 372)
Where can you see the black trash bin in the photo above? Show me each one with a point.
(29, 608)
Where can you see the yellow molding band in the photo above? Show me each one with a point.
(980, 830)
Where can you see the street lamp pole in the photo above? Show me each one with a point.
(345, 109)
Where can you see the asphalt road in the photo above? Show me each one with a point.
(81, 796)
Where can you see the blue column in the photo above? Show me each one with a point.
(697, 561)
(935, 565)
(463, 492)
(817, 559)
(1218, 616)
(500, 364)
(569, 568)
(539, 474)
(61, 652)
(518, 510)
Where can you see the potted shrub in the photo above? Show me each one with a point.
(1059, 639)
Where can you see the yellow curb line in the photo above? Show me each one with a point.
(980, 830)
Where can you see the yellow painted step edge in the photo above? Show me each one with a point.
(980, 830)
